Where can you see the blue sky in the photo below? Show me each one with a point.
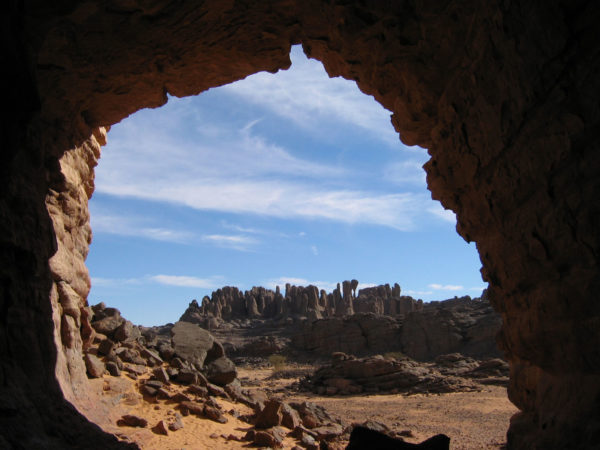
(288, 177)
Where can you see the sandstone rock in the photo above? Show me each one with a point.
(131, 420)
(221, 371)
(524, 194)
(214, 414)
(191, 343)
(106, 347)
(312, 415)
(201, 391)
(187, 377)
(329, 431)
(216, 390)
(192, 407)
(270, 416)
(269, 438)
(180, 397)
(130, 355)
(135, 369)
(161, 374)
(113, 369)
(161, 428)
(289, 417)
(109, 324)
(176, 423)
(95, 367)
(126, 331)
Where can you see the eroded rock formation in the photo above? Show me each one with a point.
(376, 321)
(502, 94)
(229, 303)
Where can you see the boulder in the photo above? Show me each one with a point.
(95, 367)
(191, 343)
(270, 416)
(221, 371)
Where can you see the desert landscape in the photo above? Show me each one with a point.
(261, 369)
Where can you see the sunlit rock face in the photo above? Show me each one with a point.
(504, 95)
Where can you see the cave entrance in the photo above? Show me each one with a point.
(279, 178)
(286, 179)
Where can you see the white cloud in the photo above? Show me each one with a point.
(236, 242)
(187, 281)
(306, 95)
(136, 226)
(225, 167)
(110, 282)
(478, 288)
(314, 250)
(446, 287)
(406, 172)
(446, 215)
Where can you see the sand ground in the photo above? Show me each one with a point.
(473, 420)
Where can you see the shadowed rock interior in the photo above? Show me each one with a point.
(503, 94)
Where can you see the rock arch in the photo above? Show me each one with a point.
(503, 94)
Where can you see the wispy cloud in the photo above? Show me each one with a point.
(307, 96)
(111, 282)
(446, 215)
(408, 172)
(314, 250)
(138, 227)
(478, 288)
(188, 281)
(236, 242)
(445, 287)
(226, 167)
(213, 282)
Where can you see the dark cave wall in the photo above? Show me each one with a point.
(503, 94)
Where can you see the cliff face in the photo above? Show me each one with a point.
(502, 94)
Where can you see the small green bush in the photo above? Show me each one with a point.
(278, 362)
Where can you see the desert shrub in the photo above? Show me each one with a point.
(278, 362)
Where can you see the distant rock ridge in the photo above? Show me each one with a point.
(379, 319)
(230, 303)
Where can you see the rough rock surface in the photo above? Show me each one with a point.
(229, 303)
(378, 320)
(347, 375)
(502, 94)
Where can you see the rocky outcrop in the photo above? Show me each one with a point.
(229, 303)
(358, 334)
(505, 108)
(190, 354)
(348, 375)
(458, 325)
(379, 320)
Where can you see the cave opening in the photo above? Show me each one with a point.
(505, 108)
(241, 196)
(279, 178)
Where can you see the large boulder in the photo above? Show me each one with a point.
(191, 343)
(221, 371)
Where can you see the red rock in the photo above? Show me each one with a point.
(193, 407)
(94, 366)
(214, 414)
(131, 420)
(176, 423)
(161, 428)
(270, 416)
